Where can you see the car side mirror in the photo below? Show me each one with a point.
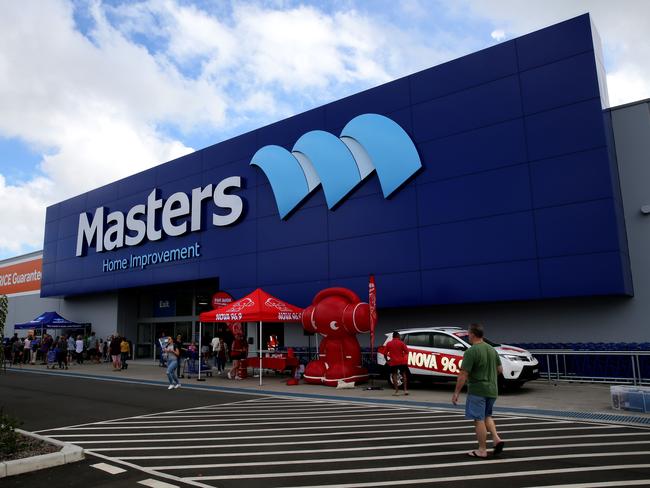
(459, 347)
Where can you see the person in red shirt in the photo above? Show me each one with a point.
(397, 356)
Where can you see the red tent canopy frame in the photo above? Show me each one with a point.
(258, 306)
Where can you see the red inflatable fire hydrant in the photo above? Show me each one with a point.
(337, 315)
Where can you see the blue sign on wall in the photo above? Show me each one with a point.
(492, 180)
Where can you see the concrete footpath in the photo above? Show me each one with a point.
(537, 398)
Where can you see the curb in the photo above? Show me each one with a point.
(69, 453)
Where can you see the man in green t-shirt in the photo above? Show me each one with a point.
(480, 368)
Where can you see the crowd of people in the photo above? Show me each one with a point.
(63, 350)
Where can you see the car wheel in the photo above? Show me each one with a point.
(400, 379)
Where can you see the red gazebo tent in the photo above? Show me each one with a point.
(258, 306)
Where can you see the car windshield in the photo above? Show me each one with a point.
(464, 336)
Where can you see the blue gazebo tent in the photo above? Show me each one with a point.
(49, 320)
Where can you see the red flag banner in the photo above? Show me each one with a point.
(372, 302)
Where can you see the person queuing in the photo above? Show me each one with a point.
(480, 369)
(238, 351)
(125, 350)
(79, 349)
(17, 349)
(114, 349)
(27, 344)
(71, 347)
(62, 352)
(105, 351)
(219, 351)
(93, 347)
(173, 353)
(36, 344)
(46, 344)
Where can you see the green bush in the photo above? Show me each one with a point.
(10, 440)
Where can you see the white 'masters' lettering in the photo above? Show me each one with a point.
(161, 217)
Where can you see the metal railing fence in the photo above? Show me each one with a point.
(630, 367)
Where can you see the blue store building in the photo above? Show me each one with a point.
(498, 187)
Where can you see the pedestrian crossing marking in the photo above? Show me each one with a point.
(221, 445)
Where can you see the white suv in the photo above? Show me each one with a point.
(437, 353)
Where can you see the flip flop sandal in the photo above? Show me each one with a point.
(475, 455)
(498, 448)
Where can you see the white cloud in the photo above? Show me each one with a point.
(23, 218)
(498, 35)
(627, 84)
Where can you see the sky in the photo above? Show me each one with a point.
(93, 91)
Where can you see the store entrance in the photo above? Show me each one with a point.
(149, 335)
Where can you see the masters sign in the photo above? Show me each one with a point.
(116, 230)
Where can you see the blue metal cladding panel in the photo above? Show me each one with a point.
(287, 132)
(392, 252)
(508, 237)
(191, 164)
(292, 265)
(481, 283)
(479, 195)
(472, 70)
(234, 271)
(396, 289)
(517, 197)
(307, 226)
(565, 130)
(353, 219)
(579, 228)
(556, 42)
(474, 151)
(385, 100)
(483, 105)
(230, 241)
(302, 293)
(548, 86)
(229, 151)
(580, 176)
(588, 274)
(52, 213)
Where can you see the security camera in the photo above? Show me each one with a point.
(645, 210)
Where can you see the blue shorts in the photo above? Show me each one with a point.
(478, 407)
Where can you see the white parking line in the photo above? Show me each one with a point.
(288, 474)
(379, 448)
(265, 413)
(283, 429)
(392, 456)
(601, 484)
(284, 435)
(405, 435)
(340, 418)
(539, 472)
(108, 468)
(150, 472)
(156, 484)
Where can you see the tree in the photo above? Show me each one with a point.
(4, 307)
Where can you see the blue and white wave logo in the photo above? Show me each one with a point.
(368, 143)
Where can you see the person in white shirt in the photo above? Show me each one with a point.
(215, 348)
(79, 349)
(27, 349)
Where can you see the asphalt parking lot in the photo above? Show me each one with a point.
(194, 438)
